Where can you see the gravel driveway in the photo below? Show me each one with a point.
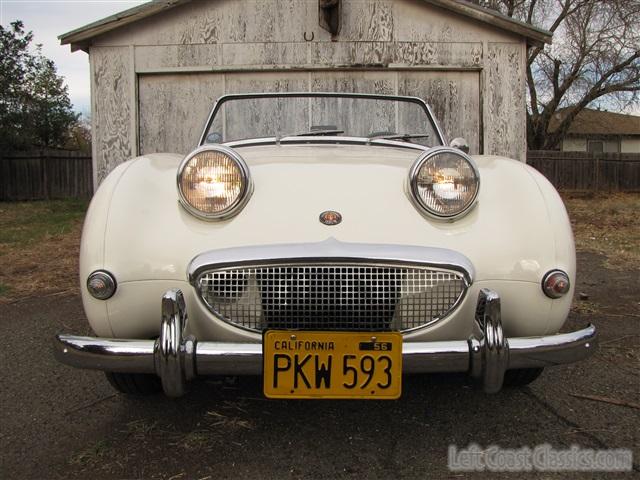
(57, 422)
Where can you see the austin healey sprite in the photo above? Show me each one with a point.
(330, 243)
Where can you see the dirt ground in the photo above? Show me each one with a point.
(57, 422)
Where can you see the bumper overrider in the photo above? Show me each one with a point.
(177, 358)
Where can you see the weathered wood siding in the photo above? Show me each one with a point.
(174, 107)
(454, 98)
(505, 118)
(153, 81)
(114, 140)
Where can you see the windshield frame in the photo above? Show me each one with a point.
(334, 139)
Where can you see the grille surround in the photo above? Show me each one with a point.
(350, 295)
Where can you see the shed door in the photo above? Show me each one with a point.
(174, 107)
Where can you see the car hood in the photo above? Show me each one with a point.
(148, 235)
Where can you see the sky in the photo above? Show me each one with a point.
(50, 18)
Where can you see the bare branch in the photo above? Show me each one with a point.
(594, 57)
(532, 7)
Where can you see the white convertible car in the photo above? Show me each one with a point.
(330, 243)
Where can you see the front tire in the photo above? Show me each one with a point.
(136, 384)
(520, 377)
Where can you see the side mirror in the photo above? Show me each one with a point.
(214, 137)
(460, 143)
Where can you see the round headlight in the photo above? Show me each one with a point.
(213, 182)
(444, 182)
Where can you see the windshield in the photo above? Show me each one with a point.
(284, 115)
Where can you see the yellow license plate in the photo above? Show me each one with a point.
(332, 364)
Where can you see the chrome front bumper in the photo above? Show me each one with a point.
(176, 359)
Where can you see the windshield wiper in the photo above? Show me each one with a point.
(312, 133)
(399, 136)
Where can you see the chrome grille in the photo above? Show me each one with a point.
(331, 297)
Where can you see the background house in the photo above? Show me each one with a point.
(598, 131)
(156, 69)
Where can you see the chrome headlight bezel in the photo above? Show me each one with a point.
(245, 190)
(413, 183)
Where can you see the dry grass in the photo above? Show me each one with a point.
(39, 247)
(92, 455)
(608, 224)
(584, 307)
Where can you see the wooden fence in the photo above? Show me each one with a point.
(584, 171)
(46, 174)
(56, 174)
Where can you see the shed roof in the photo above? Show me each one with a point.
(597, 122)
(81, 37)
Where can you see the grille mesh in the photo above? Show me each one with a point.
(330, 297)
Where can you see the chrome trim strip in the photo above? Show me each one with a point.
(240, 96)
(480, 357)
(435, 123)
(245, 193)
(332, 250)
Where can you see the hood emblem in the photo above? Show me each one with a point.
(330, 217)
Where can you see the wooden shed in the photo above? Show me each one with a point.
(156, 69)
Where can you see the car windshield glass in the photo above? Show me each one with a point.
(246, 117)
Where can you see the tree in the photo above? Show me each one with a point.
(35, 109)
(594, 59)
(80, 135)
(13, 62)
